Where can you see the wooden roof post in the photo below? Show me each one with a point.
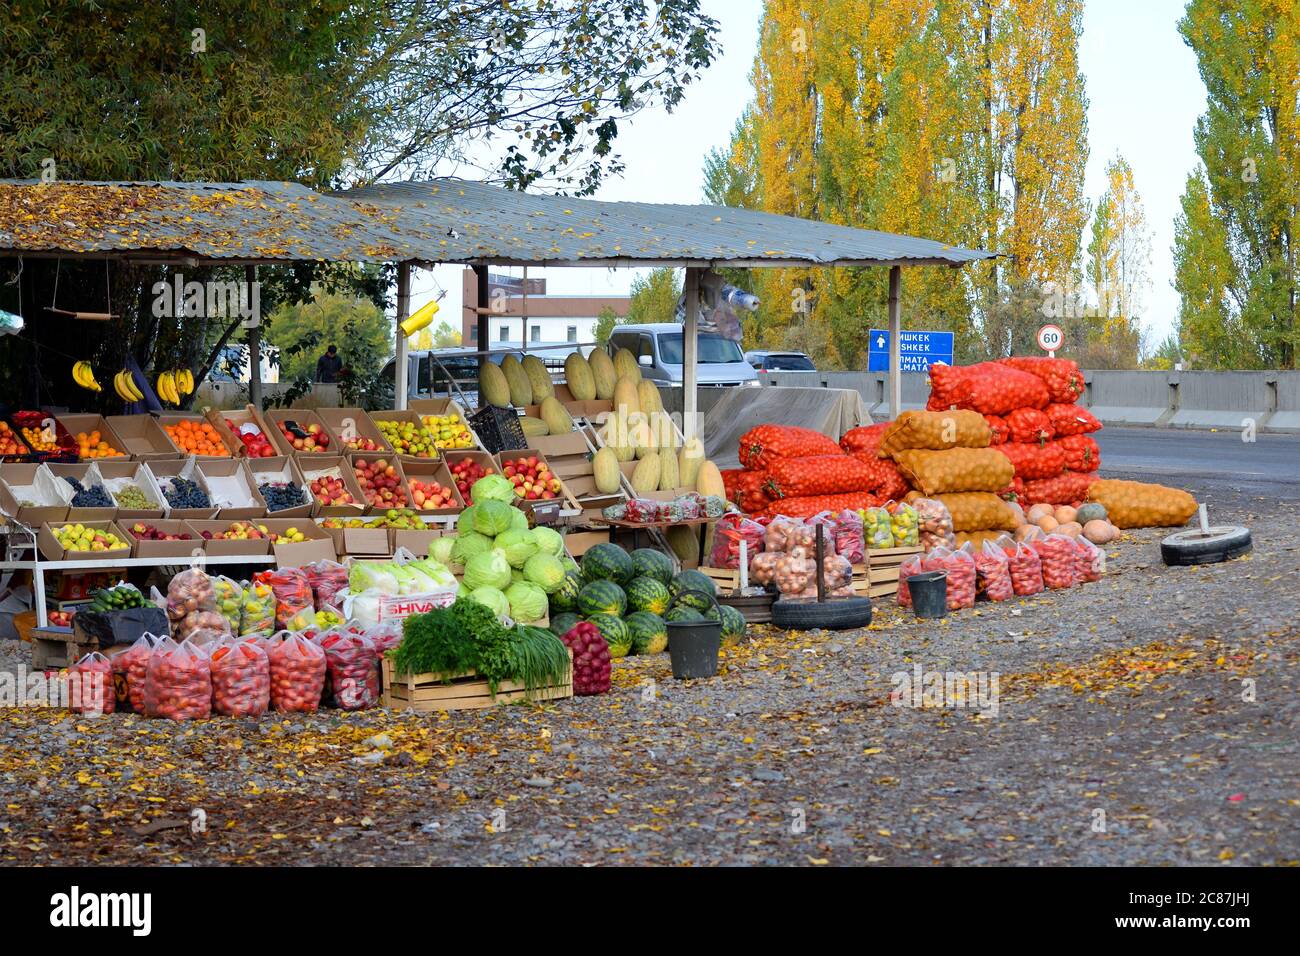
(895, 342)
(690, 352)
(484, 331)
(254, 326)
(402, 372)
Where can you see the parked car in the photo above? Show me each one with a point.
(432, 372)
(659, 348)
(765, 361)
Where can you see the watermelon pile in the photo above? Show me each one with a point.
(627, 597)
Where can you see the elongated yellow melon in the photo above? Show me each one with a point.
(646, 476)
(492, 385)
(708, 481)
(689, 460)
(602, 371)
(625, 364)
(647, 394)
(521, 392)
(668, 478)
(626, 398)
(539, 379)
(556, 416)
(604, 470)
(577, 375)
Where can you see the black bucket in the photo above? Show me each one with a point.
(929, 591)
(693, 645)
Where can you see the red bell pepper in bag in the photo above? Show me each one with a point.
(850, 542)
(90, 686)
(761, 446)
(178, 683)
(327, 580)
(1029, 425)
(728, 533)
(1082, 453)
(1071, 420)
(241, 678)
(294, 602)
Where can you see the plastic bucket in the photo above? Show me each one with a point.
(929, 591)
(693, 645)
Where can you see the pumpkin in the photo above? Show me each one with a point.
(1099, 532)
(1071, 528)
(1039, 511)
(1064, 514)
(1091, 511)
(1047, 524)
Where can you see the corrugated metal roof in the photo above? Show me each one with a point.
(251, 220)
(443, 220)
(478, 222)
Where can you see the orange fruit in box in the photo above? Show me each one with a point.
(92, 445)
(197, 438)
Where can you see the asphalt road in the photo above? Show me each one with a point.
(1269, 466)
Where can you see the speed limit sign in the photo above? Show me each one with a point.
(1050, 338)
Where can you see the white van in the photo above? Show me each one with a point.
(658, 348)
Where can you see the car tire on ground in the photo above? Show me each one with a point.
(1193, 546)
(835, 614)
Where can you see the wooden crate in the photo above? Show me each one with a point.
(51, 652)
(427, 692)
(879, 576)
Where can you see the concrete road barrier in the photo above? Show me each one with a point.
(1127, 398)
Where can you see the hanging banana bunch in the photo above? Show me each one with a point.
(84, 375)
(184, 380)
(166, 388)
(124, 385)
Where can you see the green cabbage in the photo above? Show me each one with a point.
(492, 517)
(465, 521)
(493, 599)
(469, 544)
(440, 549)
(518, 520)
(487, 570)
(527, 601)
(546, 571)
(492, 488)
(516, 575)
(518, 546)
(548, 541)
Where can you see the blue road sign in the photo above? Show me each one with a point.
(917, 350)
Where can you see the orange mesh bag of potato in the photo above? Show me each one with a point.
(957, 469)
(935, 431)
(979, 511)
(1137, 504)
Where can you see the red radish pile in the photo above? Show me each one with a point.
(331, 491)
(590, 659)
(380, 482)
(464, 473)
(532, 478)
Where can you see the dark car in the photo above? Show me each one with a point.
(780, 361)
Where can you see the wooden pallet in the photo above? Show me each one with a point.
(879, 576)
(428, 692)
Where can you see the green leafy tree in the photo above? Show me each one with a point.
(605, 323)
(325, 93)
(445, 337)
(1235, 243)
(303, 331)
(654, 297)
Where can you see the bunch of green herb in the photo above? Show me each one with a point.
(444, 641)
(540, 659)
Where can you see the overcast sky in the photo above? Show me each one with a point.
(1144, 96)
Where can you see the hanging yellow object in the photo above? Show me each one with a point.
(421, 317)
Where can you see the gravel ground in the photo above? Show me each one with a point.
(1147, 719)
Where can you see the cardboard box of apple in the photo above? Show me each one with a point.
(380, 482)
(249, 530)
(255, 442)
(307, 438)
(532, 479)
(464, 473)
(77, 537)
(430, 495)
(328, 490)
(147, 532)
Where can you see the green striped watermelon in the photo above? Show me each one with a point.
(694, 581)
(649, 563)
(647, 594)
(607, 562)
(614, 631)
(648, 631)
(684, 615)
(733, 624)
(601, 597)
(564, 622)
(565, 597)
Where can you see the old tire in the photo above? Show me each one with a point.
(1192, 546)
(836, 614)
